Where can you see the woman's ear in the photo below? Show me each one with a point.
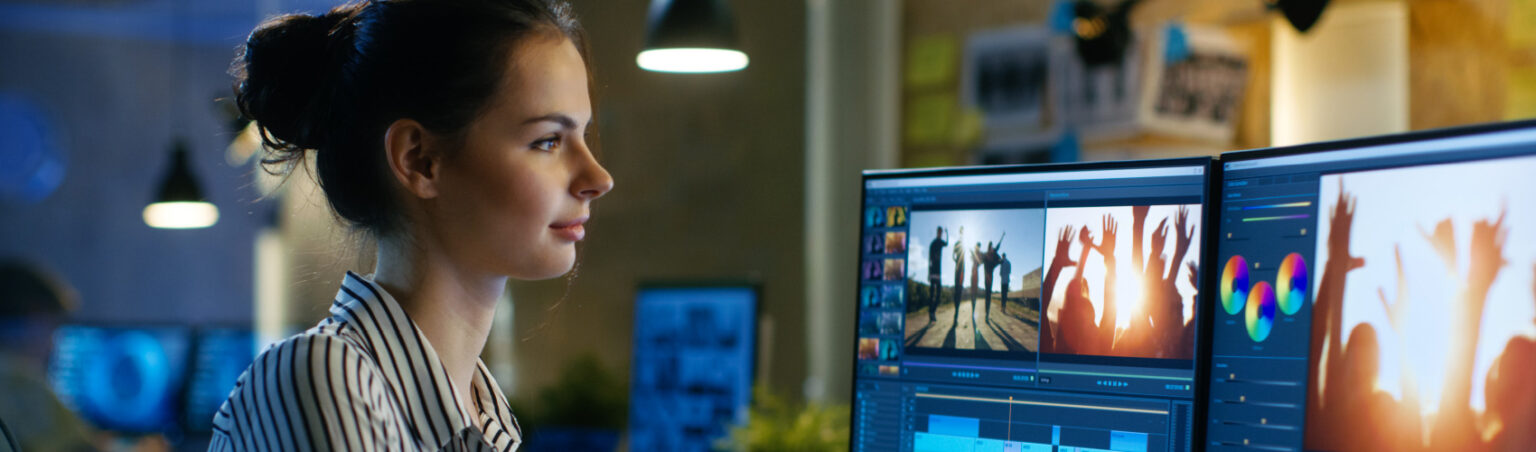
(411, 161)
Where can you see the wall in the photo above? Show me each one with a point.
(114, 110)
(708, 174)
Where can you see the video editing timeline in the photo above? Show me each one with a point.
(945, 417)
(1377, 294)
(975, 334)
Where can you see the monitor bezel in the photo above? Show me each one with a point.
(1375, 140)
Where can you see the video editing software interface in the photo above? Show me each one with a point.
(1377, 295)
(1029, 308)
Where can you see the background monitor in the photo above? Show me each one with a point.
(120, 378)
(1377, 294)
(219, 356)
(1029, 307)
(693, 365)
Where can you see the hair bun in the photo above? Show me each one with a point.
(281, 74)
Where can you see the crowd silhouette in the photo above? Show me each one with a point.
(1346, 410)
(1158, 330)
(983, 264)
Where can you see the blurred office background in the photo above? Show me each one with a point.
(748, 176)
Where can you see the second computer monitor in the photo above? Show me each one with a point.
(1378, 294)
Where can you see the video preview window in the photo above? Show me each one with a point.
(1121, 281)
(975, 281)
(1425, 309)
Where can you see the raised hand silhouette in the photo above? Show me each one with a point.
(1077, 315)
(1342, 219)
(1138, 225)
(1455, 425)
(1444, 241)
(1397, 313)
(1159, 238)
(1063, 257)
(1488, 241)
(1181, 242)
(1396, 310)
(1328, 306)
(1191, 275)
(1105, 342)
(1106, 245)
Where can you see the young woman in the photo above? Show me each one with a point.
(451, 132)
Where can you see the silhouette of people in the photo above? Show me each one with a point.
(935, 274)
(1345, 409)
(959, 258)
(975, 278)
(1104, 339)
(1059, 262)
(1158, 329)
(1076, 319)
(1005, 269)
(991, 260)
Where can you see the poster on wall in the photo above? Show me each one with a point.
(1098, 101)
(1195, 83)
(1003, 75)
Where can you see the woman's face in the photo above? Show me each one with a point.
(513, 201)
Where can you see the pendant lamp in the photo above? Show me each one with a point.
(180, 203)
(692, 36)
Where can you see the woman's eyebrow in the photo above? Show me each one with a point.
(558, 118)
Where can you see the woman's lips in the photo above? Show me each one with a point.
(571, 231)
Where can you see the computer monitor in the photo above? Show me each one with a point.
(1079, 330)
(125, 379)
(219, 356)
(1376, 294)
(693, 364)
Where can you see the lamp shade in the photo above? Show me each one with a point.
(180, 203)
(691, 36)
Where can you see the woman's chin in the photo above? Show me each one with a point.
(554, 267)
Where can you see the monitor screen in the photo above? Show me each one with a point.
(1026, 307)
(120, 379)
(219, 357)
(1377, 294)
(693, 363)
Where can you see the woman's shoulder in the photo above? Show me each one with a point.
(322, 386)
(317, 352)
(325, 358)
(317, 364)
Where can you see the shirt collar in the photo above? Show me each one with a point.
(411, 367)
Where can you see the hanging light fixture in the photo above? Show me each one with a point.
(180, 203)
(693, 36)
(1302, 14)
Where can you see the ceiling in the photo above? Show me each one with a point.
(221, 23)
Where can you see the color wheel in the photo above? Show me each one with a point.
(1234, 285)
(1291, 283)
(1261, 311)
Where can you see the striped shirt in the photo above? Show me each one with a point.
(363, 379)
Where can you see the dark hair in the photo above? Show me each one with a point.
(335, 82)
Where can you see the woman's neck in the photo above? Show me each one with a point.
(453, 306)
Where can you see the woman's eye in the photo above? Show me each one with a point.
(547, 144)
